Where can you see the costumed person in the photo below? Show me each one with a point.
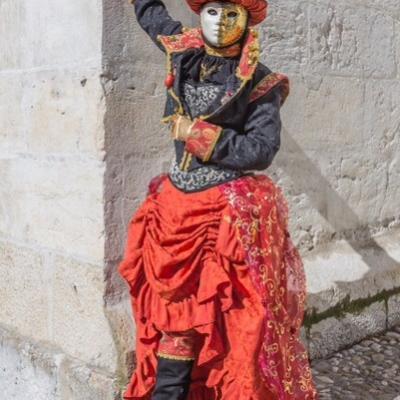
(217, 286)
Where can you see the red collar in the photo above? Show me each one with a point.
(191, 38)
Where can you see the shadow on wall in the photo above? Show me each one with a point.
(306, 177)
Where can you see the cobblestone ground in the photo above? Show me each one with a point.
(370, 370)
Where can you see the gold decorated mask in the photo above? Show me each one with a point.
(223, 23)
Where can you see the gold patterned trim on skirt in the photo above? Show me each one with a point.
(174, 357)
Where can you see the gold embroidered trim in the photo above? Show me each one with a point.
(190, 38)
(168, 118)
(230, 51)
(173, 357)
(268, 83)
(207, 71)
(178, 101)
(253, 56)
(212, 146)
(170, 71)
(186, 160)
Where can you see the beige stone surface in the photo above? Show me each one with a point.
(285, 36)
(78, 323)
(52, 229)
(26, 370)
(82, 382)
(50, 34)
(58, 112)
(124, 335)
(59, 300)
(64, 113)
(24, 290)
(12, 120)
(342, 272)
(54, 202)
(41, 371)
(351, 39)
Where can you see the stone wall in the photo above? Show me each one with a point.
(52, 165)
(81, 97)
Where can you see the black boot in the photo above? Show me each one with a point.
(173, 379)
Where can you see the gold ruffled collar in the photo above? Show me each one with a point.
(230, 51)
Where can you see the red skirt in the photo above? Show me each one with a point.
(220, 263)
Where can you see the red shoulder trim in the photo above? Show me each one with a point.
(268, 83)
(190, 38)
(250, 56)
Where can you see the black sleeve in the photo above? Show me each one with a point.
(257, 145)
(154, 18)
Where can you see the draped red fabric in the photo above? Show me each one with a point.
(256, 8)
(261, 216)
(219, 263)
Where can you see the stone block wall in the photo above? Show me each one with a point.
(81, 98)
(52, 229)
(339, 159)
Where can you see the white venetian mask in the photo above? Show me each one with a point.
(223, 23)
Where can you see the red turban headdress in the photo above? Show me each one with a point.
(257, 8)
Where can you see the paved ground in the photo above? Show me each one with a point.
(369, 370)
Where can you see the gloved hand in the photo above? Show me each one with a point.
(181, 127)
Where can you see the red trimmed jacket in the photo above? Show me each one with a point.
(243, 132)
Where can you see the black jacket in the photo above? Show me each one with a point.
(250, 118)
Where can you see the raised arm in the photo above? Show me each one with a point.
(154, 18)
